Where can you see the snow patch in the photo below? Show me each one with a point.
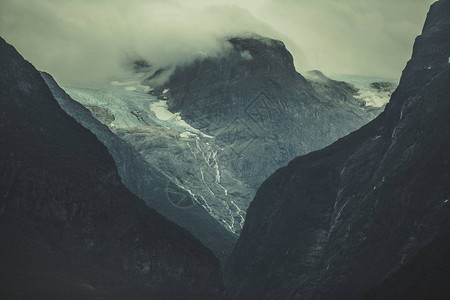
(161, 111)
(372, 98)
(368, 94)
(131, 85)
(187, 134)
(246, 55)
(376, 138)
(123, 83)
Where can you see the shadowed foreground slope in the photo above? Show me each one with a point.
(69, 229)
(426, 276)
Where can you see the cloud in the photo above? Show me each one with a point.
(352, 36)
(82, 40)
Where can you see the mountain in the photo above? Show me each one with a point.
(372, 92)
(260, 110)
(336, 222)
(215, 155)
(69, 229)
(335, 90)
(145, 180)
(425, 276)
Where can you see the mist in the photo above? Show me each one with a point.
(83, 41)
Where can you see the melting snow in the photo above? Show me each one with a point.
(161, 111)
(128, 101)
(375, 99)
(187, 134)
(133, 85)
(123, 83)
(376, 138)
(369, 95)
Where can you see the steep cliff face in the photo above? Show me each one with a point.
(69, 229)
(145, 180)
(336, 222)
(425, 276)
(260, 110)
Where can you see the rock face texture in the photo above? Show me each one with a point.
(69, 229)
(328, 88)
(334, 223)
(425, 276)
(144, 179)
(260, 110)
(242, 111)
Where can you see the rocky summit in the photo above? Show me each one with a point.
(337, 222)
(260, 109)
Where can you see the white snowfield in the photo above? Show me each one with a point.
(186, 156)
(161, 110)
(132, 106)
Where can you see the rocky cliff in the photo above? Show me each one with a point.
(336, 222)
(261, 111)
(425, 276)
(69, 229)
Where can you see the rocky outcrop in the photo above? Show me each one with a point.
(335, 90)
(383, 86)
(336, 222)
(69, 229)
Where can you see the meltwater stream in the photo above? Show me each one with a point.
(188, 157)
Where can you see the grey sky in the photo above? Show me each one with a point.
(80, 40)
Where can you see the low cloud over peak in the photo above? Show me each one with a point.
(91, 40)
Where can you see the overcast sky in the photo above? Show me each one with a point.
(81, 40)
